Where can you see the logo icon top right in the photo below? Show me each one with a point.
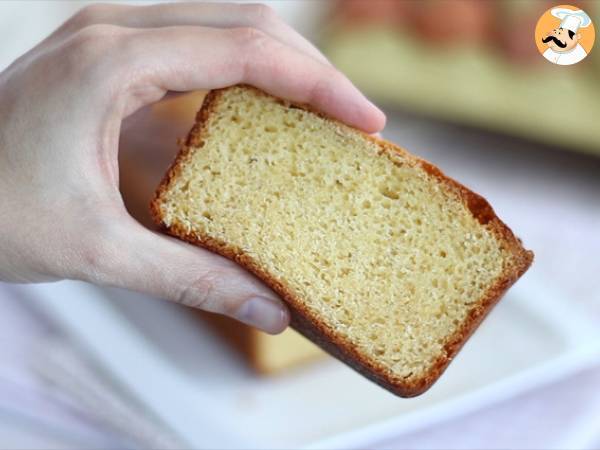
(564, 35)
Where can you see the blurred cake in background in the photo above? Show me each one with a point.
(148, 145)
(468, 62)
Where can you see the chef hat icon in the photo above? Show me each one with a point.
(571, 20)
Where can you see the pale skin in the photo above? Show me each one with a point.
(61, 109)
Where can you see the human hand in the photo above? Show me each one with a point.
(61, 108)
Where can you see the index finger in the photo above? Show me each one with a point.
(204, 14)
(189, 58)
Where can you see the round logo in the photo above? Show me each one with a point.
(565, 35)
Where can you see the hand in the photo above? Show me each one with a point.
(61, 108)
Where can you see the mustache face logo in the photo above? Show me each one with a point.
(555, 40)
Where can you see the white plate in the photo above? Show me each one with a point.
(189, 379)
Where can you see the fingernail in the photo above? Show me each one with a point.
(264, 313)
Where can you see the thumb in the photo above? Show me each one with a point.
(133, 257)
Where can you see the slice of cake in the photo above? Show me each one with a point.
(384, 261)
(142, 162)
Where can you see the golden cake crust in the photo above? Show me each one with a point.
(307, 323)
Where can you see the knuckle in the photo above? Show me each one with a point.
(258, 13)
(246, 36)
(92, 39)
(90, 44)
(202, 292)
(90, 14)
(253, 45)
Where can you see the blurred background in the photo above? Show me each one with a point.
(463, 86)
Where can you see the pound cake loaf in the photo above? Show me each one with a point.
(383, 261)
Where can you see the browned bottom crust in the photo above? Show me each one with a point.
(306, 323)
